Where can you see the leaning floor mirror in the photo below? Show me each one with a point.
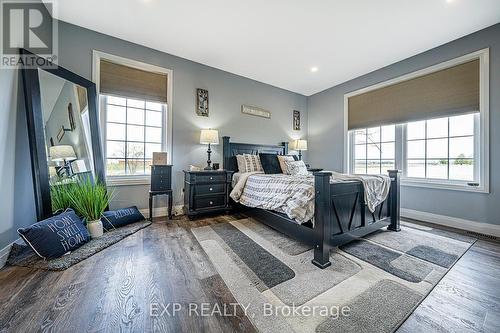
(63, 129)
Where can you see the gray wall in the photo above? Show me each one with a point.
(226, 92)
(16, 187)
(326, 113)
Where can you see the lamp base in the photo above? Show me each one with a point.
(207, 168)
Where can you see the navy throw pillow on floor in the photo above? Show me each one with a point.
(55, 236)
(121, 217)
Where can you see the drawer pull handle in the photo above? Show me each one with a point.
(211, 189)
(211, 202)
(211, 178)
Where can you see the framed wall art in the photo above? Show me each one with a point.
(296, 120)
(202, 102)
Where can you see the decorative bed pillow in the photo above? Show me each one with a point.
(248, 163)
(55, 236)
(282, 159)
(121, 217)
(296, 168)
(270, 163)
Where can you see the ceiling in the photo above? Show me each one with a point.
(279, 41)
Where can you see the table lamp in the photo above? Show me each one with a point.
(209, 137)
(299, 145)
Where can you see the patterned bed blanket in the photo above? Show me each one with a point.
(294, 195)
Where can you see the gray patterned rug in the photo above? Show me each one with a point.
(23, 255)
(380, 279)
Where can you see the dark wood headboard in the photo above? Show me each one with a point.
(231, 149)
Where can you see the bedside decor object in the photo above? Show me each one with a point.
(194, 168)
(209, 137)
(160, 158)
(255, 111)
(299, 145)
(90, 201)
(55, 236)
(296, 120)
(206, 191)
(118, 218)
(202, 102)
(161, 184)
(216, 166)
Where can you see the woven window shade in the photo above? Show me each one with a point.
(450, 91)
(131, 82)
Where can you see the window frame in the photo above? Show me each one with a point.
(481, 142)
(145, 179)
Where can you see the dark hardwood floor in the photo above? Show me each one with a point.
(467, 299)
(114, 290)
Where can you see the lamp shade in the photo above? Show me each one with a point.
(209, 136)
(61, 153)
(299, 145)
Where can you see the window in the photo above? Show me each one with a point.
(442, 148)
(374, 150)
(134, 130)
(135, 116)
(441, 136)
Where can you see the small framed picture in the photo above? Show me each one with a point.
(296, 120)
(60, 134)
(202, 102)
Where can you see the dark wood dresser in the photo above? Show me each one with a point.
(206, 191)
(161, 184)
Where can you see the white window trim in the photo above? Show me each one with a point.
(484, 119)
(168, 135)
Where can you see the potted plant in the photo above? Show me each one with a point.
(90, 200)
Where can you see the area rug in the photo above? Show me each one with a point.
(23, 255)
(373, 284)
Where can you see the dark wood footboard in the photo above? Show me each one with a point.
(341, 214)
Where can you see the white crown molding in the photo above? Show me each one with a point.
(453, 222)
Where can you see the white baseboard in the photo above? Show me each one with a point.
(453, 222)
(4, 253)
(163, 211)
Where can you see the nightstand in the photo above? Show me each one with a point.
(161, 184)
(206, 191)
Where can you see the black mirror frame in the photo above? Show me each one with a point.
(36, 135)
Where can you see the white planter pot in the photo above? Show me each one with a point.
(95, 228)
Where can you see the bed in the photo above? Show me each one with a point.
(340, 212)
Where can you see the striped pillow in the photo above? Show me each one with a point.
(248, 163)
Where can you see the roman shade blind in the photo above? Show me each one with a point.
(131, 82)
(442, 93)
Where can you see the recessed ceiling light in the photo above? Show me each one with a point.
(449, 1)
(314, 69)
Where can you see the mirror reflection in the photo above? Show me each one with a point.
(67, 129)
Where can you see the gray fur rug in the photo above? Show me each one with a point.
(23, 255)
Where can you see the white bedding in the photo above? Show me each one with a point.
(294, 195)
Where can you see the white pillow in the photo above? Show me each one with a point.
(282, 159)
(248, 163)
(296, 168)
